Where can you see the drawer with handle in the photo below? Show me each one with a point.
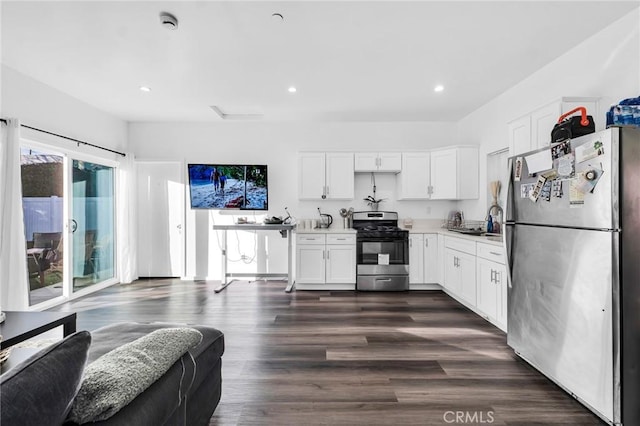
(341, 238)
(490, 252)
(310, 238)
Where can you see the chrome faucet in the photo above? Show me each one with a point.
(500, 215)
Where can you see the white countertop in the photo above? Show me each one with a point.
(443, 231)
(331, 230)
(421, 229)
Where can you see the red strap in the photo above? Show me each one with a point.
(584, 120)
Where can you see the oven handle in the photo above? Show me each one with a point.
(383, 279)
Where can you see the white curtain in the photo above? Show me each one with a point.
(14, 287)
(127, 230)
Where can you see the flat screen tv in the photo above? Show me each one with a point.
(228, 186)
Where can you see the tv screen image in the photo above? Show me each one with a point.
(228, 186)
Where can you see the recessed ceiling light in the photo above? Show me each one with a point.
(292, 89)
(438, 88)
(145, 89)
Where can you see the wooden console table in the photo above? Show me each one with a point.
(285, 230)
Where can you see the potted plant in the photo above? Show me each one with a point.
(373, 202)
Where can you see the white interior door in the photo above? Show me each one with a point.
(160, 219)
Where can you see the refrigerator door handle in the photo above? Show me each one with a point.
(508, 207)
(508, 236)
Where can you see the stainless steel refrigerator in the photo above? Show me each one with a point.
(573, 252)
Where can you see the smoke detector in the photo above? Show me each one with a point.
(168, 21)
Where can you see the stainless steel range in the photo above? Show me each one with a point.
(382, 252)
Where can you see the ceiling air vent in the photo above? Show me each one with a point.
(238, 113)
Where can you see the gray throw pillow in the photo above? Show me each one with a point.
(40, 390)
(117, 377)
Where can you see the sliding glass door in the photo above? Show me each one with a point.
(92, 223)
(43, 208)
(69, 216)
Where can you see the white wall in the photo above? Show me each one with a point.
(607, 66)
(39, 105)
(277, 145)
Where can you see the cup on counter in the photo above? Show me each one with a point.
(314, 224)
(301, 225)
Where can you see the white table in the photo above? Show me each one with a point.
(285, 230)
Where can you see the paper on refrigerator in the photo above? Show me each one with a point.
(539, 162)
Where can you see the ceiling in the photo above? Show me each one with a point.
(349, 60)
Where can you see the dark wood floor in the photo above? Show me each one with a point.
(347, 358)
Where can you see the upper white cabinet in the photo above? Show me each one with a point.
(378, 162)
(454, 173)
(533, 131)
(415, 179)
(325, 176)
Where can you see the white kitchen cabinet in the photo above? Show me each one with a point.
(454, 173)
(460, 269)
(416, 258)
(441, 259)
(325, 258)
(430, 256)
(520, 135)
(415, 178)
(492, 284)
(423, 259)
(533, 131)
(340, 264)
(325, 176)
(310, 258)
(378, 162)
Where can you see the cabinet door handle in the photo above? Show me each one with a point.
(493, 276)
(328, 254)
(410, 242)
(341, 239)
(426, 243)
(323, 255)
(498, 281)
(495, 253)
(327, 190)
(324, 192)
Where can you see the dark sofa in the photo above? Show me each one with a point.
(187, 394)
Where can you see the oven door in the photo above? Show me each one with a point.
(369, 249)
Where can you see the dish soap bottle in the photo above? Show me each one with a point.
(490, 225)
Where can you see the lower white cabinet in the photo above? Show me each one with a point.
(460, 274)
(492, 284)
(416, 255)
(325, 258)
(431, 269)
(423, 259)
(340, 264)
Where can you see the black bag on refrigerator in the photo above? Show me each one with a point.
(572, 127)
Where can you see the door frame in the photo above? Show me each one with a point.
(68, 156)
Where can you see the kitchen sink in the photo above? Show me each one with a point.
(468, 231)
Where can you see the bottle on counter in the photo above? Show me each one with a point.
(490, 225)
